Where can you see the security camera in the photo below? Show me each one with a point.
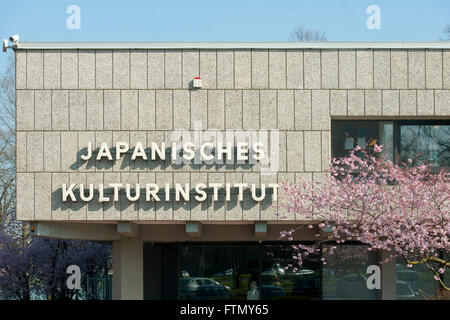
(14, 39)
(5, 45)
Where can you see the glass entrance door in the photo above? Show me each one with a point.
(245, 271)
(254, 271)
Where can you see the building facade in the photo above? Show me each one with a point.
(104, 117)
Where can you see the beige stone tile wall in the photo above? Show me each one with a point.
(66, 98)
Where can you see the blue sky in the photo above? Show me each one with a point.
(230, 20)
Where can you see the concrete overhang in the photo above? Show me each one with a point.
(76, 231)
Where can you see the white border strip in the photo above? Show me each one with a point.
(233, 45)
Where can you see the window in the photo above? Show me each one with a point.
(415, 283)
(346, 135)
(217, 272)
(280, 283)
(226, 271)
(223, 271)
(425, 140)
(344, 276)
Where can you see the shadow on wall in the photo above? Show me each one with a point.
(140, 164)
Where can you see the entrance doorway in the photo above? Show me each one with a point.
(218, 271)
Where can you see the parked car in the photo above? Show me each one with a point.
(227, 272)
(184, 274)
(411, 277)
(303, 272)
(211, 292)
(275, 270)
(353, 286)
(404, 291)
(189, 286)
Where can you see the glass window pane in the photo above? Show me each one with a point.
(245, 270)
(430, 142)
(205, 272)
(346, 135)
(280, 283)
(214, 272)
(227, 271)
(415, 283)
(387, 139)
(446, 279)
(344, 275)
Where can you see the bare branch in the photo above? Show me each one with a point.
(301, 34)
(7, 138)
(446, 33)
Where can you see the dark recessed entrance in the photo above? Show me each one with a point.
(210, 271)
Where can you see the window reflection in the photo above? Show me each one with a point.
(210, 272)
(387, 139)
(344, 275)
(425, 142)
(445, 294)
(346, 135)
(227, 271)
(415, 283)
(420, 141)
(279, 282)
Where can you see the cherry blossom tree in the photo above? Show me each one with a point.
(399, 208)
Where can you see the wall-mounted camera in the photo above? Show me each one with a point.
(13, 39)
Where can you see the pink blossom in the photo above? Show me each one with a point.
(377, 148)
(403, 210)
